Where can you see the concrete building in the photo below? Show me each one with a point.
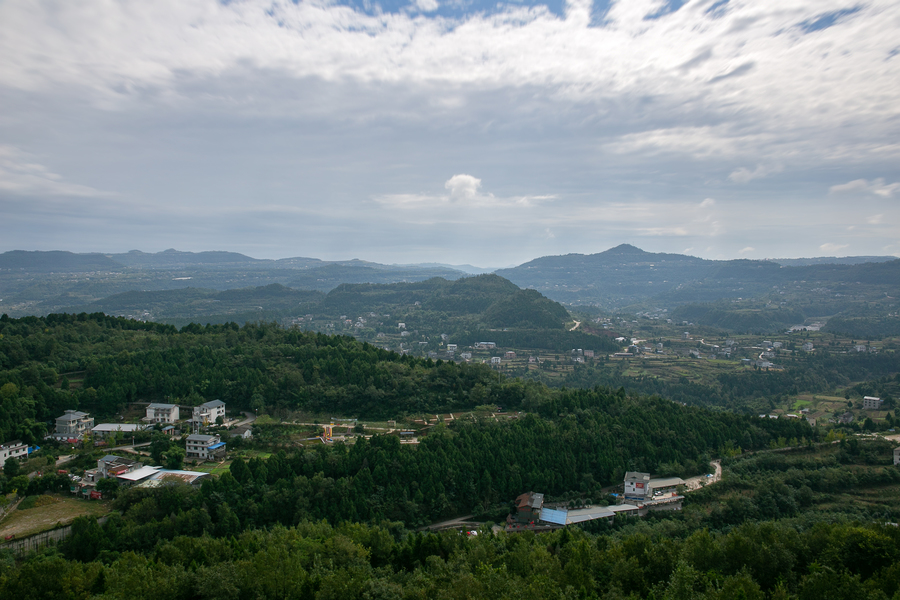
(640, 486)
(897, 456)
(14, 449)
(162, 413)
(208, 412)
(73, 424)
(871, 403)
(485, 345)
(204, 447)
(495, 360)
(637, 485)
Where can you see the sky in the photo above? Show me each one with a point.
(453, 131)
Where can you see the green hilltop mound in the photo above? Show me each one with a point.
(489, 299)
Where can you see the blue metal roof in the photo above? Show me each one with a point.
(219, 445)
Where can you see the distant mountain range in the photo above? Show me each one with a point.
(626, 275)
(621, 277)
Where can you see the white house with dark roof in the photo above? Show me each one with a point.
(162, 413)
(208, 412)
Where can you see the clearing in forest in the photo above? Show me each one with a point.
(39, 513)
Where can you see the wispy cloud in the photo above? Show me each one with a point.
(745, 175)
(876, 186)
(463, 191)
(830, 248)
(21, 175)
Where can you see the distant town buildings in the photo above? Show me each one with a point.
(485, 345)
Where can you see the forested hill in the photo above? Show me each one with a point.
(97, 363)
(488, 299)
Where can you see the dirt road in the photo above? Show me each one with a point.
(699, 481)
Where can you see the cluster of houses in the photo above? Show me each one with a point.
(73, 426)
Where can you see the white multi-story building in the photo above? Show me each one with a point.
(162, 413)
(204, 447)
(14, 449)
(208, 412)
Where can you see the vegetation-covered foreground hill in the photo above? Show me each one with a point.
(336, 521)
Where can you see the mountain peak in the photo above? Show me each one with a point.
(624, 249)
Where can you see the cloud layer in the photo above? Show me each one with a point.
(491, 136)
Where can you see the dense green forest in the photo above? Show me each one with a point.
(774, 528)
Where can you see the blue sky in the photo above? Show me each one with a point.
(451, 131)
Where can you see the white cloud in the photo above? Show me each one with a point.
(746, 250)
(427, 5)
(464, 191)
(876, 186)
(830, 247)
(463, 187)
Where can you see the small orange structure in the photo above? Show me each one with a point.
(329, 431)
